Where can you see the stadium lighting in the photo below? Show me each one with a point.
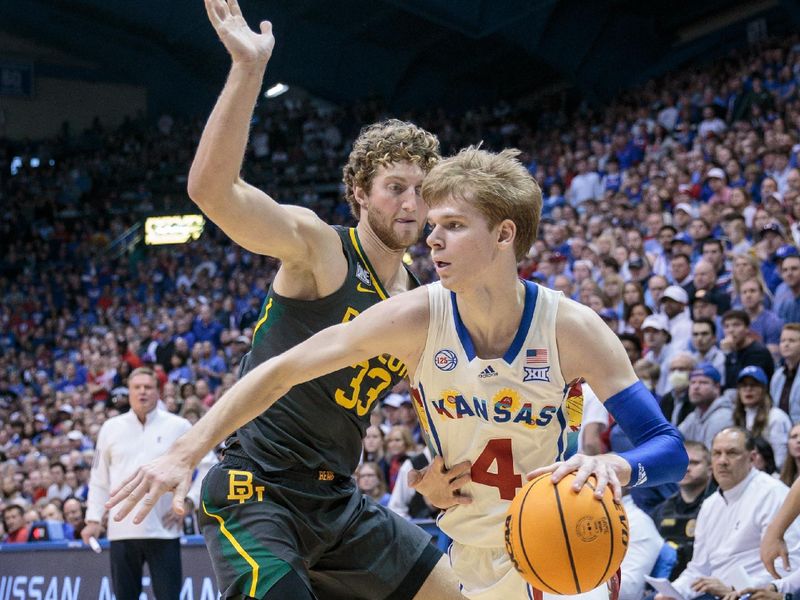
(276, 90)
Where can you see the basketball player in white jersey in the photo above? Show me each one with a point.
(490, 358)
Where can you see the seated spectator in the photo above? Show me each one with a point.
(373, 447)
(74, 515)
(675, 403)
(764, 458)
(648, 372)
(399, 447)
(59, 488)
(712, 412)
(369, 478)
(763, 322)
(705, 280)
(785, 386)
(741, 349)
(747, 499)
(753, 411)
(746, 267)
(635, 315)
(704, 340)
(633, 346)
(674, 303)
(791, 465)
(659, 351)
(16, 531)
(788, 305)
(676, 517)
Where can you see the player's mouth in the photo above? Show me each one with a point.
(440, 265)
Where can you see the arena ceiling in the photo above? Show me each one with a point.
(412, 53)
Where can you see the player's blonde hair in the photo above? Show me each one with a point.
(497, 184)
(384, 143)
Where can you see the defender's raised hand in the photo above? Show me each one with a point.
(242, 43)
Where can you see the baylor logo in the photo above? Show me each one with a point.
(240, 487)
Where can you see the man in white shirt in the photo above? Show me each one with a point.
(584, 186)
(124, 444)
(732, 521)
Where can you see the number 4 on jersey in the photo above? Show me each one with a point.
(504, 478)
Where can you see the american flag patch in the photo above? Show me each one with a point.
(536, 356)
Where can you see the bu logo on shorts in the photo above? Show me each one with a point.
(240, 487)
(445, 360)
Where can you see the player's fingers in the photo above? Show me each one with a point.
(266, 27)
(602, 482)
(130, 501)
(147, 503)
(461, 499)
(216, 12)
(616, 486)
(438, 464)
(460, 469)
(179, 498)
(459, 482)
(784, 554)
(124, 489)
(582, 474)
(542, 471)
(233, 6)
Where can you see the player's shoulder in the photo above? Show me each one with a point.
(574, 317)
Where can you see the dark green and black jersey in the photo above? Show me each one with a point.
(319, 424)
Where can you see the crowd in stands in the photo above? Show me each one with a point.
(673, 212)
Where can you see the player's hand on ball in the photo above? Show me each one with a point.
(242, 43)
(148, 484)
(441, 486)
(608, 469)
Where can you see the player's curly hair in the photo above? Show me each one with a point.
(497, 184)
(381, 144)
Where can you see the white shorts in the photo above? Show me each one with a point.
(488, 574)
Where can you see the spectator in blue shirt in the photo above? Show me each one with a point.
(788, 305)
(205, 327)
(765, 323)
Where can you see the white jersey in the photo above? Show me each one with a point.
(506, 415)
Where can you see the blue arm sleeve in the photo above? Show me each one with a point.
(659, 456)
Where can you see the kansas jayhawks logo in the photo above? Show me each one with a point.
(445, 360)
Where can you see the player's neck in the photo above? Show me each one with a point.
(492, 314)
(388, 263)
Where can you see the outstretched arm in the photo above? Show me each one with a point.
(772, 544)
(397, 326)
(248, 215)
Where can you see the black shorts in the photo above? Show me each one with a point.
(342, 544)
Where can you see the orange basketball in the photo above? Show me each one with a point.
(565, 542)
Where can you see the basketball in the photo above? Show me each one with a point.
(562, 541)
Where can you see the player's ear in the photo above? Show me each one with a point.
(360, 195)
(506, 232)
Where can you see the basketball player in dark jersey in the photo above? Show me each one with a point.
(281, 514)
